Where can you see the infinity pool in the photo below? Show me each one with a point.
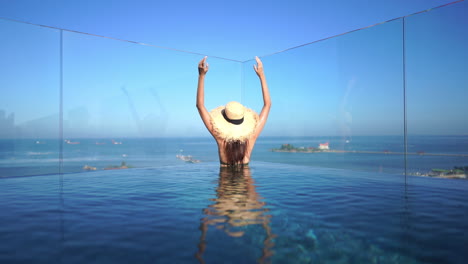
(197, 213)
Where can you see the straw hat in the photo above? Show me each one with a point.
(233, 121)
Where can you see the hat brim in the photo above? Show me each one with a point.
(228, 131)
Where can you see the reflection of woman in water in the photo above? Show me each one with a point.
(236, 206)
(234, 127)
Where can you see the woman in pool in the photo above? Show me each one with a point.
(234, 127)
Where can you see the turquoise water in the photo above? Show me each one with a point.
(195, 213)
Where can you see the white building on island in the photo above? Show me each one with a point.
(324, 146)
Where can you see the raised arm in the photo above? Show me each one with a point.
(266, 97)
(205, 116)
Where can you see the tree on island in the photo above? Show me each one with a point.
(287, 147)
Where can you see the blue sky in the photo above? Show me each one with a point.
(233, 29)
(349, 85)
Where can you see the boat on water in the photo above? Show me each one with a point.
(71, 142)
(116, 142)
(187, 158)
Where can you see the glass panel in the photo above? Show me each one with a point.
(346, 91)
(437, 95)
(125, 104)
(29, 101)
(29, 143)
(437, 92)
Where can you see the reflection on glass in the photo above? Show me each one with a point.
(29, 100)
(237, 205)
(345, 91)
(123, 101)
(437, 94)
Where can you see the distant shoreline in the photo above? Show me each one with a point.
(367, 152)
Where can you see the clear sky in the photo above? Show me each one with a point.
(349, 85)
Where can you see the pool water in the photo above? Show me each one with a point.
(198, 213)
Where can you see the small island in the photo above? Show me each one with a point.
(323, 147)
(123, 165)
(455, 173)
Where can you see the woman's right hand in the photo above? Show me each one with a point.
(259, 67)
(203, 66)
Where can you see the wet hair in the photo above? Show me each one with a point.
(235, 152)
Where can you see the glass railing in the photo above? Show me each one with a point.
(30, 100)
(437, 92)
(389, 98)
(343, 94)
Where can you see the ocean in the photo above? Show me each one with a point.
(383, 154)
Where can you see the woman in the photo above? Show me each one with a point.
(234, 127)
